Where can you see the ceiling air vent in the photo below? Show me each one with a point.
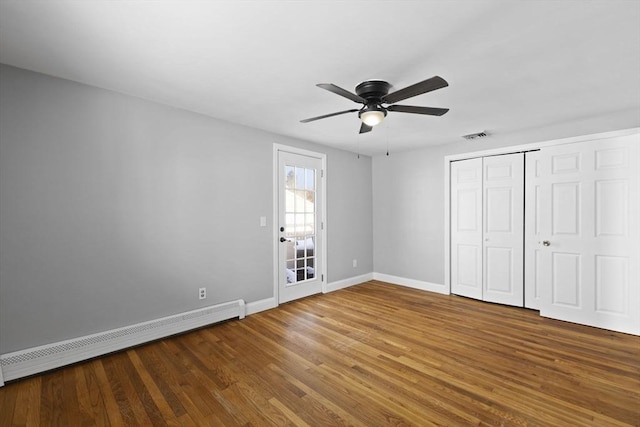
(475, 135)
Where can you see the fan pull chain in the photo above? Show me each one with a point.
(388, 128)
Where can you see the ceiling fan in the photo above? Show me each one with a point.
(374, 93)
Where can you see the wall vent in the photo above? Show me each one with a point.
(475, 135)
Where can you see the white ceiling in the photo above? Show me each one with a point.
(510, 65)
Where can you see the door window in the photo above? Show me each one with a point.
(300, 223)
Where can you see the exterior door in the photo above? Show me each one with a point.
(503, 245)
(466, 228)
(300, 201)
(590, 236)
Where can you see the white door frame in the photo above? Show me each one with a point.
(498, 151)
(276, 225)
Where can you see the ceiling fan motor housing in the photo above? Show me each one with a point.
(373, 90)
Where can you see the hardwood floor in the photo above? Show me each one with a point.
(370, 355)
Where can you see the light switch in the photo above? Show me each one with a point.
(263, 221)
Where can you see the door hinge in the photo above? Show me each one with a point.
(322, 225)
(321, 173)
(322, 277)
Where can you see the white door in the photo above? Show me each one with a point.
(300, 201)
(532, 231)
(503, 245)
(590, 241)
(466, 228)
(487, 202)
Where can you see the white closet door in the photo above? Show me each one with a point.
(534, 223)
(503, 245)
(590, 242)
(466, 228)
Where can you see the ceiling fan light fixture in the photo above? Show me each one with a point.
(372, 115)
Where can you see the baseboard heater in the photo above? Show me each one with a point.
(35, 360)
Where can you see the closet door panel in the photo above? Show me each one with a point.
(503, 229)
(535, 221)
(498, 265)
(590, 246)
(466, 228)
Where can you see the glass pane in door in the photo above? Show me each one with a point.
(300, 223)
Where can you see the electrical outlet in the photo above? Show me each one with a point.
(202, 293)
(355, 263)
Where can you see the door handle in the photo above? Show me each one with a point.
(546, 243)
(282, 239)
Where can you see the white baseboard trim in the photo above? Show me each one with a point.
(43, 358)
(345, 283)
(412, 283)
(261, 305)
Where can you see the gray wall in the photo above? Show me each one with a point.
(350, 219)
(409, 195)
(115, 210)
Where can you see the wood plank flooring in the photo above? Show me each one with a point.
(369, 355)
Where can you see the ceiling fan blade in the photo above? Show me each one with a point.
(417, 89)
(365, 128)
(328, 115)
(342, 92)
(431, 111)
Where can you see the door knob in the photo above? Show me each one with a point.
(546, 243)
(282, 239)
